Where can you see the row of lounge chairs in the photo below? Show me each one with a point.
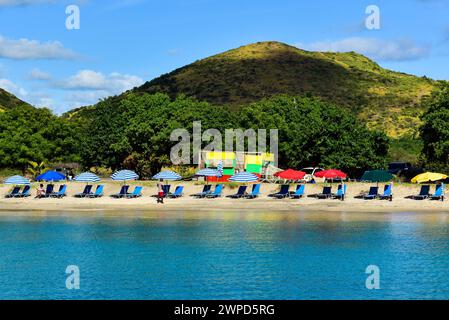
(16, 193)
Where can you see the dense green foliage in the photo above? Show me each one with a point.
(133, 132)
(435, 132)
(385, 100)
(30, 134)
(315, 133)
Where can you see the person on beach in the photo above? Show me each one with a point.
(40, 191)
(160, 191)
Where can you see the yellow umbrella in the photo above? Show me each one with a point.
(428, 176)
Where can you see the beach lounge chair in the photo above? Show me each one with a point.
(205, 192)
(299, 193)
(86, 192)
(136, 193)
(326, 194)
(178, 192)
(26, 192)
(98, 192)
(283, 193)
(122, 194)
(372, 194)
(217, 192)
(255, 192)
(388, 193)
(240, 193)
(61, 192)
(48, 192)
(15, 191)
(424, 193)
(439, 193)
(166, 189)
(341, 192)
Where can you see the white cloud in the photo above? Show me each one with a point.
(13, 88)
(37, 74)
(23, 49)
(92, 80)
(384, 50)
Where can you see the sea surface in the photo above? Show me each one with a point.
(223, 255)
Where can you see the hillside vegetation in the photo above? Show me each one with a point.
(9, 101)
(384, 99)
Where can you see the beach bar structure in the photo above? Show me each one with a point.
(234, 162)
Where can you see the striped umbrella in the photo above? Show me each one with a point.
(244, 177)
(87, 177)
(17, 181)
(124, 175)
(220, 167)
(208, 173)
(167, 175)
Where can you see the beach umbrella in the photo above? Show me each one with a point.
(51, 176)
(331, 174)
(167, 175)
(124, 175)
(220, 167)
(17, 181)
(87, 177)
(291, 174)
(377, 176)
(208, 173)
(429, 177)
(244, 177)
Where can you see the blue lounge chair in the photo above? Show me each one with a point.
(98, 192)
(48, 192)
(136, 193)
(26, 192)
(166, 189)
(217, 192)
(424, 193)
(341, 192)
(86, 192)
(122, 194)
(372, 194)
(439, 193)
(283, 193)
(178, 192)
(388, 193)
(240, 193)
(255, 192)
(299, 193)
(61, 192)
(15, 191)
(326, 194)
(205, 192)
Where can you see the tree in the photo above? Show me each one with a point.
(435, 132)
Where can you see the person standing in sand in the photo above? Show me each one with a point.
(160, 191)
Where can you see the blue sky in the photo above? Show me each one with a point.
(121, 44)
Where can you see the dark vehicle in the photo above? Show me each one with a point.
(404, 170)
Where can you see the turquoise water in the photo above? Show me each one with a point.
(225, 256)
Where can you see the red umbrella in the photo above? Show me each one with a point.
(331, 174)
(291, 175)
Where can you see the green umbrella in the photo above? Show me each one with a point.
(377, 176)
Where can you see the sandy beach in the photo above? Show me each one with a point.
(187, 203)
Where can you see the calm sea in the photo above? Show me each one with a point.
(219, 255)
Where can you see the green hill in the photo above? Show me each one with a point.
(8, 101)
(384, 99)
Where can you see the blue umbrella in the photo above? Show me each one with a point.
(87, 177)
(51, 176)
(124, 175)
(17, 181)
(167, 175)
(220, 167)
(208, 173)
(244, 177)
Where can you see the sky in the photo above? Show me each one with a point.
(122, 44)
